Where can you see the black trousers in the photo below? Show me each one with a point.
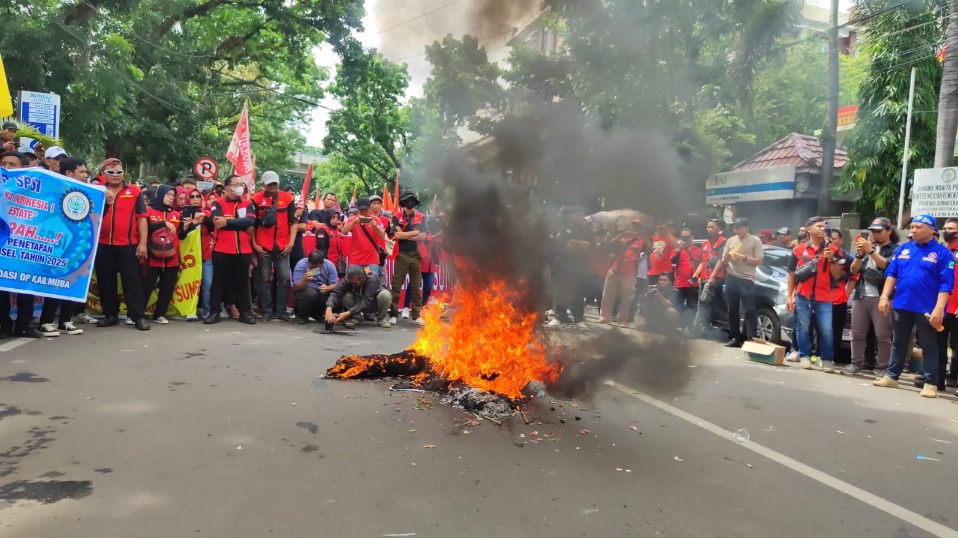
(231, 272)
(741, 290)
(111, 260)
(311, 303)
(839, 311)
(50, 307)
(948, 337)
(572, 300)
(24, 310)
(167, 283)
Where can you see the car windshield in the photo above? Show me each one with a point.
(776, 261)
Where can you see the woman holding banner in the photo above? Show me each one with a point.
(164, 232)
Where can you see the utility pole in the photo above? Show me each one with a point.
(831, 117)
(948, 96)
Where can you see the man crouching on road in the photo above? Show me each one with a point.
(359, 293)
(921, 275)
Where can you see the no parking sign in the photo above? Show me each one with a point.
(205, 168)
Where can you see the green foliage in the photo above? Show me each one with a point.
(370, 129)
(464, 85)
(898, 41)
(163, 81)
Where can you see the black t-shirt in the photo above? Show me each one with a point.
(408, 245)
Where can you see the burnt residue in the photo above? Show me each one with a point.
(45, 491)
(25, 377)
(52, 474)
(308, 426)
(309, 448)
(103, 470)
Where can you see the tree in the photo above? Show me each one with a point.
(895, 42)
(948, 96)
(163, 81)
(370, 129)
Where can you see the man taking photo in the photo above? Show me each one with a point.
(743, 253)
(313, 278)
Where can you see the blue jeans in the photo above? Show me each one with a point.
(427, 279)
(902, 322)
(207, 283)
(823, 325)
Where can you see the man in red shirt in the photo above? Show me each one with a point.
(711, 255)
(365, 229)
(123, 235)
(811, 269)
(376, 210)
(949, 336)
(274, 239)
(686, 260)
(233, 219)
(663, 248)
(620, 281)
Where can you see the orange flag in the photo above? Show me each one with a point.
(387, 200)
(396, 197)
(353, 203)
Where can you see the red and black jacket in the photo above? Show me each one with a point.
(240, 216)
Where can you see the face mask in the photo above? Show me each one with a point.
(238, 191)
(949, 236)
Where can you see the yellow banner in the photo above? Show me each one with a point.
(186, 294)
(6, 102)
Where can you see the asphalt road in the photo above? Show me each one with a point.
(230, 431)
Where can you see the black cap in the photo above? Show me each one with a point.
(9, 125)
(362, 203)
(740, 222)
(408, 195)
(880, 223)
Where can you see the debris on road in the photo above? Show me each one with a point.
(920, 457)
(741, 436)
(676, 458)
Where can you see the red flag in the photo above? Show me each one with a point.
(240, 153)
(304, 197)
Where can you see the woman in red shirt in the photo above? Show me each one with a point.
(163, 245)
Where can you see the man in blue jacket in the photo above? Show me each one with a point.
(921, 276)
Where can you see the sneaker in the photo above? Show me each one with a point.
(886, 381)
(405, 313)
(29, 332)
(392, 321)
(192, 317)
(129, 321)
(160, 320)
(550, 313)
(70, 329)
(49, 329)
(385, 324)
(419, 321)
(828, 367)
(929, 391)
(806, 363)
(951, 382)
(83, 317)
(851, 369)
(554, 324)
(793, 356)
(582, 326)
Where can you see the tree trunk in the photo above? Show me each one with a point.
(948, 95)
(831, 118)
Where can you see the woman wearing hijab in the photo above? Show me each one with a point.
(193, 216)
(163, 259)
(180, 202)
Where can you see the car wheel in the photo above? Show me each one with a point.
(769, 327)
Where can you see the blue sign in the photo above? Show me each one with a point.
(41, 110)
(52, 225)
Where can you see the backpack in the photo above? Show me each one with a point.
(162, 244)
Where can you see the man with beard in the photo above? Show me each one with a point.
(921, 276)
(233, 218)
(573, 244)
(873, 253)
(359, 293)
(123, 236)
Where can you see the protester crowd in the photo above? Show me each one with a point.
(900, 294)
(253, 261)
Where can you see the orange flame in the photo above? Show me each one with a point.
(489, 344)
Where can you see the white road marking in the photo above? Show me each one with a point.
(890, 508)
(15, 344)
